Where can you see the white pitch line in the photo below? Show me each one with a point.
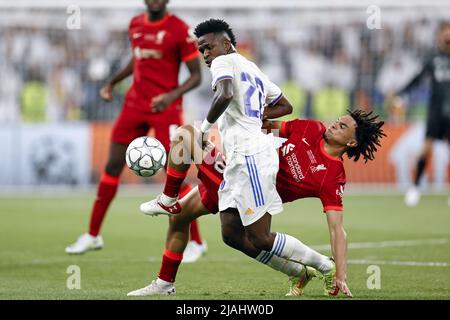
(352, 261)
(352, 245)
(401, 263)
(157, 259)
(386, 244)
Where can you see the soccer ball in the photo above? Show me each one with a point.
(145, 156)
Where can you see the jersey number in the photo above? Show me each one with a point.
(253, 109)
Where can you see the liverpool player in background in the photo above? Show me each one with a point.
(160, 42)
(437, 67)
(311, 165)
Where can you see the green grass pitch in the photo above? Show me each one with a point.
(34, 232)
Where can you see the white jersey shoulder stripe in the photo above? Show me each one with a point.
(274, 101)
(221, 78)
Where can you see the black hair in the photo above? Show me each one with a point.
(368, 133)
(214, 26)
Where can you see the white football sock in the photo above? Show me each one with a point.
(287, 267)
(166, 200)
(290, 248)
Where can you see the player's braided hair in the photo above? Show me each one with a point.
(368, 133)
(214, 26)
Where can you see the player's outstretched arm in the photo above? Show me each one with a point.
(106, 90)
(338, 238)
(281, 108)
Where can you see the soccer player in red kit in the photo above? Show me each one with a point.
(311, 165)
(160, 42)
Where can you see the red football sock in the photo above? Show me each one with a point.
(106, 191)
(169, 266)
(184, 190)
(174, 180)
(195, 233)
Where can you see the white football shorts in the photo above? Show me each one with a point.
(249, 185)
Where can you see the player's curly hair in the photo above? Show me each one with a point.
(214, 26)
(368, 134)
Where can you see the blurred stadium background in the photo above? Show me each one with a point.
(55, 129)
(55, 132)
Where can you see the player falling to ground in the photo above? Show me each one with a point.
(437, 67)
(311, 165)
(160, 42)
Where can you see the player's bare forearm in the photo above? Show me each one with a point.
(194, 80)
(222, 98)
(124, 73)
(339, 245)
(281, 108)
(338, 238)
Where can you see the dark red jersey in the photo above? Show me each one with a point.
(306, 170)
(158, 50)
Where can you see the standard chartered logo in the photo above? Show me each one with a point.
(287, 148)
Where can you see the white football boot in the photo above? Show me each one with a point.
(85, 243)
(154, 289)
(156, 207)
(412, 197)
(194, 251)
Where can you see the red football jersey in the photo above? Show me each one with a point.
(158, 50)
(306, 170)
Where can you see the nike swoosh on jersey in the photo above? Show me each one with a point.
(304, 140)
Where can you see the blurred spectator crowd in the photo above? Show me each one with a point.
(50, 74)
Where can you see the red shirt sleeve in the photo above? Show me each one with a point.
(131, 25)
(188, 44)
(310, 127)
(286, 128)
(331, 196)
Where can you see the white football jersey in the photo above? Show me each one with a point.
(240, 124)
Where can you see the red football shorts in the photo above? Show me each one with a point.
(133, 123)
(210, 174)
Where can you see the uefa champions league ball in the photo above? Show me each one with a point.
(145, 156)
